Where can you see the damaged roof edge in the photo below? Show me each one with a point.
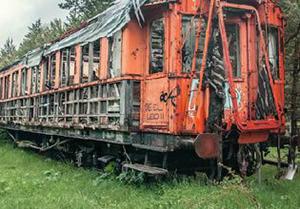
(31, 59)
(105, 24)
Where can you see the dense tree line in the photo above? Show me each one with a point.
(81, 10)
(291, 9)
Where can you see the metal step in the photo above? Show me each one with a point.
(146, 169)
(106, 159)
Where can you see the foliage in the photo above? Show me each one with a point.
(291, 9)
(39, 34)
(8, 53)
(81, 10)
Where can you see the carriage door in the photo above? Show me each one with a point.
(154, 108)
(236, 30)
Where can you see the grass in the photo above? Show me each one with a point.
(30, 181)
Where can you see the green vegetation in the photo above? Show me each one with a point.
(29, 181)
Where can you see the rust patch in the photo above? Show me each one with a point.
(207, 146)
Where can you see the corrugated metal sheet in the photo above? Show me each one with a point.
(105, 24)
(33, 58)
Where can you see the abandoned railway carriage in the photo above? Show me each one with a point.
(155, 86)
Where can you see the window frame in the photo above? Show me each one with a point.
(201, 38)
(237, 73)
(150, 69)
(278, 46)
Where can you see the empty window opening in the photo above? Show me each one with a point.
(67, 70)
(65, 66)
(72, 65)
(85, 64)
(14, 86)
(35, 79)
(46, 74)
(52, 72)
(190, 26)
(1, 87)
(233, 38)
(6, 87)
(96, 60)
(90, 62)
(38, 79)
(157, 43)
(273, 50)
(24, 82)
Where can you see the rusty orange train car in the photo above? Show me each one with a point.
(155, 86)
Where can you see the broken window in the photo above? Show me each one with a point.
(14, 86)
(67, 70)
(157, 43)
(85, 64)
(46, 74)
(96, 60)
(6, 87)
(273, 50)
(1, 87)
(114, 54)
(33, 80)
(24, 82)
(65, 66)
(90, 62)
(38, 79)
(52, 72)
(233, 38)
(72, 65)
(190, 26)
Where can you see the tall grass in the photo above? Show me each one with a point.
(30, 181)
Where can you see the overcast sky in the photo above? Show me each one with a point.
(17, 15)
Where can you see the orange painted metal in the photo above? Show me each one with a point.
(133, 49)
(77, 64)
(207, 146)
(104, 58)
(253, 137)
(169, 102)
(42, 77)
(57, 70)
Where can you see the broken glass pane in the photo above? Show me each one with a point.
(273, 50)
(24, 82)
(52, 70)
(157, 42)
(190, 26)
(233, 39)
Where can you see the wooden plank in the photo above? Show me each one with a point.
(147, 169)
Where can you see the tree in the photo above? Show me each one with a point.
(54, 30)
(81, 10)
(33, 39)
(291, 9)
(8, 53)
